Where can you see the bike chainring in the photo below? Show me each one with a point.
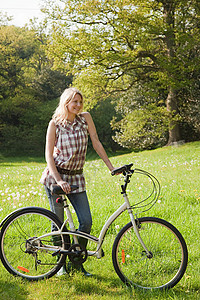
(77, 254)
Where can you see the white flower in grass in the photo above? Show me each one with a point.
(1, 209)
(117, 226)
(159, 201)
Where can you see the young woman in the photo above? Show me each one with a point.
(66, 146)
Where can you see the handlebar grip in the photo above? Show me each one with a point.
(122, 169)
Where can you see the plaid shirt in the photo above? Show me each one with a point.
(69, 152)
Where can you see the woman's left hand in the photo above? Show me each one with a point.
(65, 186)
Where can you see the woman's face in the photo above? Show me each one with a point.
(75, 105)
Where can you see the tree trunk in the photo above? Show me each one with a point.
(171, 102)
(174, 132)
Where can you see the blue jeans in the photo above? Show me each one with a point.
(81, 206)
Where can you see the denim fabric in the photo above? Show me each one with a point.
(81, 206)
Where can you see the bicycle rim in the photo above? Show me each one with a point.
(168, 249)
(20, 253)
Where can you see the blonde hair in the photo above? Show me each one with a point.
(61, 112)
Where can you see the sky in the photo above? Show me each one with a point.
(21, 10)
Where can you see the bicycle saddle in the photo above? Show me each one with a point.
(57, 190)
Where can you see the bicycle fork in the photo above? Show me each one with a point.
(135, 226)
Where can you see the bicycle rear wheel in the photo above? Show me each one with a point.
(22, 254)
(168, 249)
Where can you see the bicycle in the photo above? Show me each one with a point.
(148, 252)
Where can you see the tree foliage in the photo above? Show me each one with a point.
(4, 19)
(28, 89)
(112, 46)
(145, 119)
(103, 113)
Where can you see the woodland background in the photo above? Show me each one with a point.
(136, 62)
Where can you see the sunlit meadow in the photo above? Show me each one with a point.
(176, 168)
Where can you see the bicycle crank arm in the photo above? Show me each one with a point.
(74, 250)
(62, 252)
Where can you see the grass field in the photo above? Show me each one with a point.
(177, 169)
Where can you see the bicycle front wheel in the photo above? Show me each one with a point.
(168, 250)
(23, 253)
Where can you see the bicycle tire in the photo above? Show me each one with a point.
(17, 236)
(169, 254)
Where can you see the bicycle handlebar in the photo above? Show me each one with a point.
(57, 190)
(125, 168)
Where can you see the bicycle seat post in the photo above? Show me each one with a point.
(69, 218)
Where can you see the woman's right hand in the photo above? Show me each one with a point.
(65, 186)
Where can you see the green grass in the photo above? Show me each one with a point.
(177, 169)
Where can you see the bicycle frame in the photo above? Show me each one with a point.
(99, 241)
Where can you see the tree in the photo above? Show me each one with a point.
(4, 19)
(145, 120)
(102, 113)
(112, 45)
(28, 90)
(16, 51)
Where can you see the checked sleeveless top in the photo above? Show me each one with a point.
(69, 152)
